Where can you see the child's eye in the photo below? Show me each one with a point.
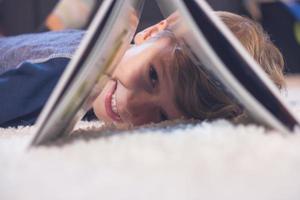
(153, 76)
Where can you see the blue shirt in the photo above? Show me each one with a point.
(37, 48)
(25, 90)
(30, 66)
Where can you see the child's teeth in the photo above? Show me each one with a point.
(114, 104)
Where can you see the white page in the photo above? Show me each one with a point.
(280, 116)
(105, 42)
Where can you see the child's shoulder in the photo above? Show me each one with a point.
(36, 46)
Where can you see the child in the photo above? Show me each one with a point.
(163, 83)
(156, 80)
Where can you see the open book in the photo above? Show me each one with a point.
(105, 42)
(212, 44)
(203, 32)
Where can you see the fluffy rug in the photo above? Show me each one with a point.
(216, 160)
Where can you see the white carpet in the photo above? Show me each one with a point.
(205, 161)
(210, 161)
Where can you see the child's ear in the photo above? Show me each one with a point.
(150, 32)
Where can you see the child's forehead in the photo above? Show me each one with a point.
(165, 46)
(166, 36)
(165, 56)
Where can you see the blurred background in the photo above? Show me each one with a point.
(280, 19)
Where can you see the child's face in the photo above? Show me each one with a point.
(141, 89)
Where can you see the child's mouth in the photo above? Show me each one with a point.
(111, 103)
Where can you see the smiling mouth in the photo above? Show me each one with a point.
(111, 104)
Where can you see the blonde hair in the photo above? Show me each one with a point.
(197, 95)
